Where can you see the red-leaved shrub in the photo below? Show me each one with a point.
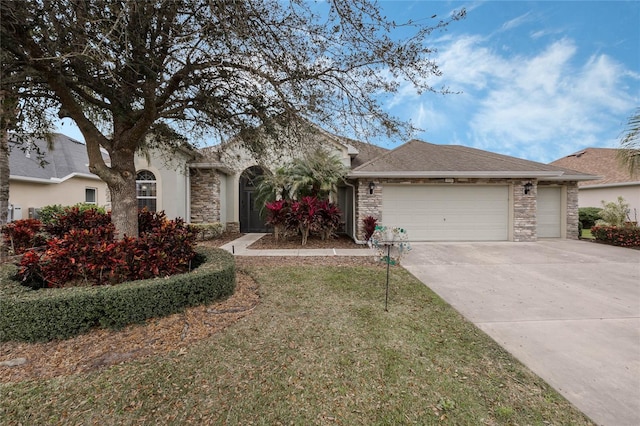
(22, 235)
(76, 218)
(370, 224)
(624, 236)
(94, 257)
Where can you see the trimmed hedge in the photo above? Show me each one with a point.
(624, 236)
(47, 314)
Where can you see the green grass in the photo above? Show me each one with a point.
(319, 349)
(586, 233)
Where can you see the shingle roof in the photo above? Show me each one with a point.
(417, 158)
(68, 157)
(366, 151)
(597, 161)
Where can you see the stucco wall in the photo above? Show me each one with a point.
(67, 193)
(172, 182)
(593, 197)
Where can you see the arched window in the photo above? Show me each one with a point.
(146, 191)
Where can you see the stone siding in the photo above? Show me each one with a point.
(572, 211)
(367, 204)
(525, 208)
(205, 196)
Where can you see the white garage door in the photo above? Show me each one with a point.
(448, 213)
(549, 212)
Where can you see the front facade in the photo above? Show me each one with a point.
(435, 192)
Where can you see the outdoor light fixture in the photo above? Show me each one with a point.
(527, 187)
(372, 186)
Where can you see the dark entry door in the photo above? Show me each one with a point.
(250, 220)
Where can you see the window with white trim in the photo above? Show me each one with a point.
(91, 195)
(146, 191)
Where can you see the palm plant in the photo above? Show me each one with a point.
(273, 186)
(318, 175)
(629, 153)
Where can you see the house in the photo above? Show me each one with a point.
(436, 192)
(615, 179)
(62, 178)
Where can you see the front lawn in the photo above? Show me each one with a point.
(319, 349)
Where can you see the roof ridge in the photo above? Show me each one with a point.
(389, 152)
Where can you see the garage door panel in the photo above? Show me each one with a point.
(451, 213)
(549, 212)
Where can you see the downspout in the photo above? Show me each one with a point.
(354, 219)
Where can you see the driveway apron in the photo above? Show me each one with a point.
(569, 310)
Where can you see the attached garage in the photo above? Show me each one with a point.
(448, 212)
(549, 212)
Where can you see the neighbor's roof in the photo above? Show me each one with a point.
(418, 159)
(67, 159)
(601, 162)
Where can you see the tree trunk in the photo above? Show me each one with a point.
(121, 181)
(4, 176)
(7, 116)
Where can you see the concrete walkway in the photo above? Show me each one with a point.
(239, 248)
(568, 310)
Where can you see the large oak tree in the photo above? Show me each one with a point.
(120, 68)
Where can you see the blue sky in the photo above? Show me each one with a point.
(537, 79)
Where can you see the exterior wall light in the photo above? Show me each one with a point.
(527, 187)
(372, 186)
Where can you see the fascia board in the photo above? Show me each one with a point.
(459, 174)
(610, 185)
(53, 180)
(211, 165)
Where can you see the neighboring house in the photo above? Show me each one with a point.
(64, 178)
(615, 181)
(436, 192)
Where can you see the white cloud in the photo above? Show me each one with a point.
(537, 105)
(517, 21)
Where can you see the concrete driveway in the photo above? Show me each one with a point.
(569, 310)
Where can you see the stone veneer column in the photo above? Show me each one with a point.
(367, 204)
(572, 211)
(205, 196)
(525, 212)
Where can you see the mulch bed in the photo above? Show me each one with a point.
(295, 242)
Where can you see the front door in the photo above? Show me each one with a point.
(250, 219)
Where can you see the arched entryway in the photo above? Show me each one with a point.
(250, 220)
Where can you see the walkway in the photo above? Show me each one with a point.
(239, 248)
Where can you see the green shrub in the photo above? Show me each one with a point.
(615, 213)
(42, 315)
(48, 214)
(624, 236)
(207, 231)
(588, 216)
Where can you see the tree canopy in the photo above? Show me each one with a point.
(120, 68)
